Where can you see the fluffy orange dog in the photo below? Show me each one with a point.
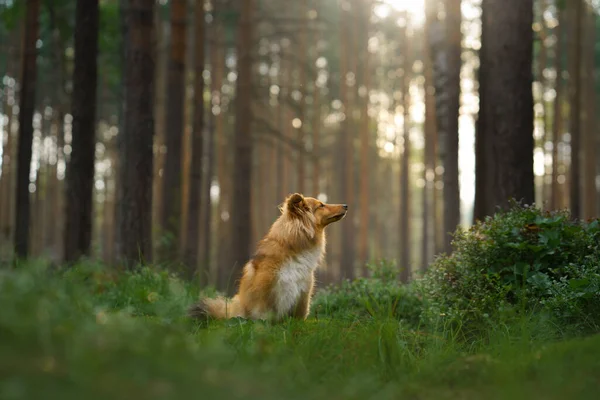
(278, 281)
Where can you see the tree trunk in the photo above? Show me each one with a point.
(481, 204)
(450, 162)
(217, 60)
(363, 243)
(26, 106)
(557, 124)
(172, 176)
(303, 58)
(162, 58)
(6, 222)
(508, 103)
(575, 118)
(197, 157)
(136, 158)
(590, 126)
(429, 190)
(80, 174)
(242, 184)
(346, 142)
(404, 234)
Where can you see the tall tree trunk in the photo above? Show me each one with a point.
(575, 118)
(363, 243)
(508, 103)
(404, 233)
(80, 174)
(480, 207)
(346, 141)
(6, 222)
(316, 126)
(429, 190)
(172, 176)
(217, 60)
(545, 195)
(242, 184)
(557, 124)
(197, 157)
(136, 140)
(590, 125)
(162, 58)
(450, 162)
(303, 58)
(26, 106)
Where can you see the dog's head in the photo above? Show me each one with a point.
(314, 210)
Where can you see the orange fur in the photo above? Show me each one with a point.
(278, 281)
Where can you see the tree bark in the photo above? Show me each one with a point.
(557, 124)
(346, 142)
(26, 107)
(172, 176)
(363, 243)
(404, 233)
(134, 242)
(242, 183)
(80, 173)
(197, 157)
(575, 118)
(450, 162)
(508, 103)
(590, 125)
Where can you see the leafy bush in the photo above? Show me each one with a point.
(523, 258)
(380, 295)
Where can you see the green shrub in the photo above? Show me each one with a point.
(520, 259)
(381, 295)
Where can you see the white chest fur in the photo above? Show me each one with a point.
(294, 279)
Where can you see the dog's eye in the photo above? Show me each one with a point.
(321, 205)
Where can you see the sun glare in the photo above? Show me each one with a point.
(414, 8)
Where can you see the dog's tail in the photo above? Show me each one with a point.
(218, 308)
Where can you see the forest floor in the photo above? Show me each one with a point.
(83, 335)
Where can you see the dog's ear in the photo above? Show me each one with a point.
(296, 202)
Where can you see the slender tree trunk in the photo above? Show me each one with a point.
(242, 183)
(197, 157)
(575, 120)
(429, 190)
(480, 207)
(303, 54)
(26, 108)
(557, 124)
(6, 188)
(136, 157)
(162, 58)
(316, 133)
(542, 64)
(405, 253)
(451, 185)
(172, 176)
(80, 174)
(590, 125)
(216, 61)
(363, 244)
(346, 139)
(508, 103)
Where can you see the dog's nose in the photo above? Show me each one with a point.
(345, 206)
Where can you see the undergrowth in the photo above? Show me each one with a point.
(501, 318)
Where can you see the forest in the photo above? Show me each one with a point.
(147, 147)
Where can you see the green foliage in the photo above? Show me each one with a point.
(381, 295)
(87, 333)
(522, 258)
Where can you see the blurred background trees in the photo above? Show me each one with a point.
(203, 115)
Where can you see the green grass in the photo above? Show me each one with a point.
(81, 335)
